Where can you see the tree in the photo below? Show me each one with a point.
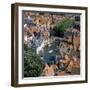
(33, 65)
(61, 27)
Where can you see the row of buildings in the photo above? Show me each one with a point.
(37, 28)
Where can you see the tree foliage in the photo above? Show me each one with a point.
(33, 65)
(61, 27)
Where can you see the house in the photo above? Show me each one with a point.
(48, 71)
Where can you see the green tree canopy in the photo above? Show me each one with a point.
(33, 65)
(61, 26)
